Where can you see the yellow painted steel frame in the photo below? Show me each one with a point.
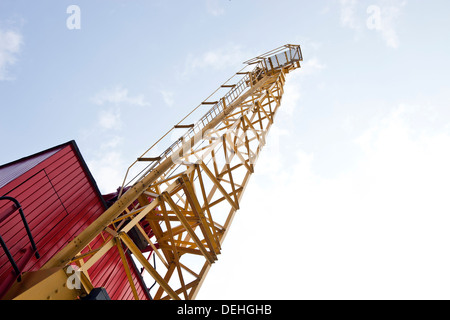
(194, 191)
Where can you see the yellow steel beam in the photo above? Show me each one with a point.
(127, 268)
(188, 228)
(229, 153)
(142, 260)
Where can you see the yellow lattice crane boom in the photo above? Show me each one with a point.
(188, 195)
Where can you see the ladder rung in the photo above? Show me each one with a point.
(149, 159)
(228, 86)
(212, 102)
(183, 126)
(151, 194)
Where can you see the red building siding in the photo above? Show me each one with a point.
(60, 199)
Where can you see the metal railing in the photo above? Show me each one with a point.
(275, 59)
(16, 207)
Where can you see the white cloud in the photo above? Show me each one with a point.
(379, 16)
(390, 12)
(112, 143)
(110, 119)
(117, 96)
(106, 168)
(214, 7)
(363, 234)
(114, 100)
(168, 97)
(230, 56)
(293, 88)
(107, 160)
(312, 66)
(10, 46)
(348, 15)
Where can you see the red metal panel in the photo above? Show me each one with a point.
(60, 199)
(15, 169)
(12, 229)
(109, 272)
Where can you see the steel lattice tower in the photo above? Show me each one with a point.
(183, 202)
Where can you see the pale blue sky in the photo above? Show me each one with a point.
(364, 132)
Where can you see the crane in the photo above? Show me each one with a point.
(181, 203)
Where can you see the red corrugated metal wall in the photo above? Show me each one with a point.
(59, 200)
(109, 272)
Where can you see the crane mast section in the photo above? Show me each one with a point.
(189, 195)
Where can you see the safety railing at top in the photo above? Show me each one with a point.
(280, 57)
(272, 60)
